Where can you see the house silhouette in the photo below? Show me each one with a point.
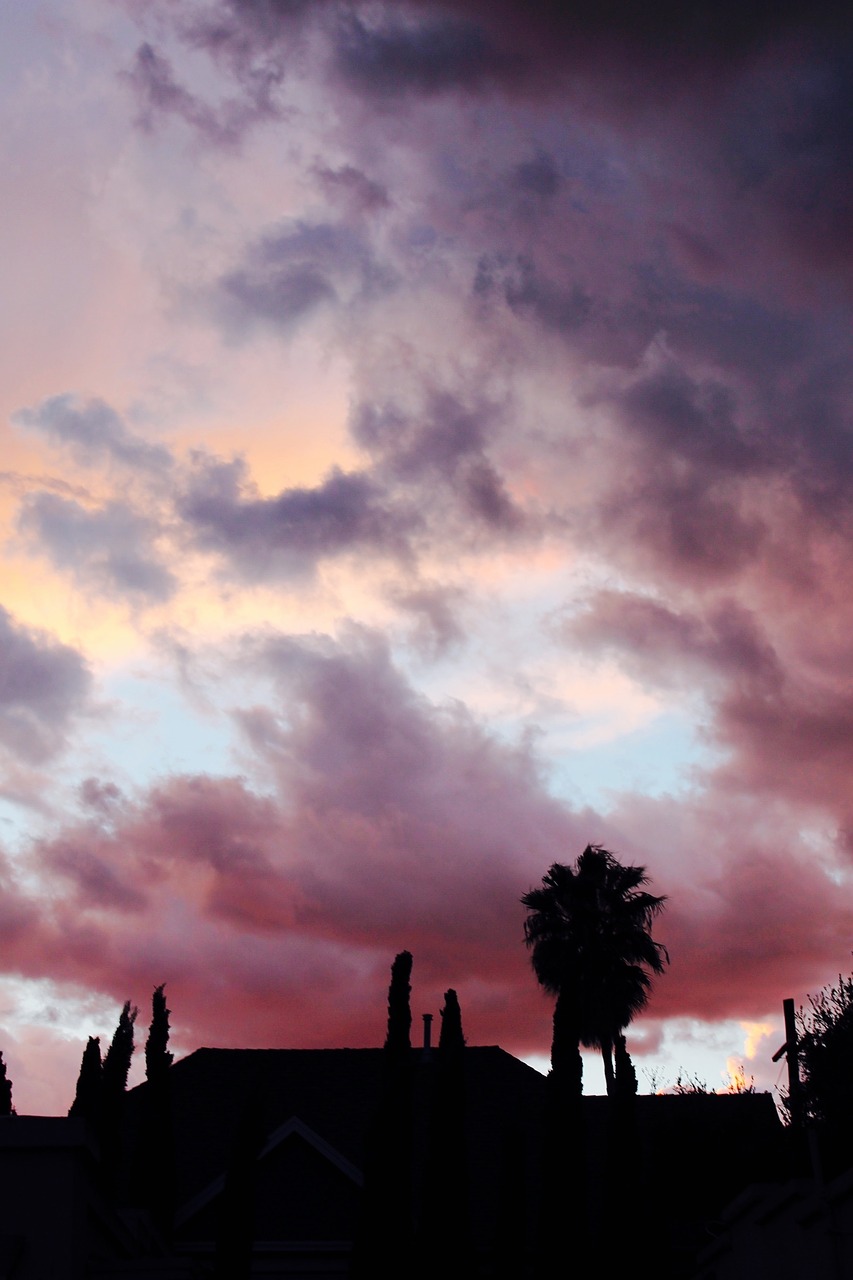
(290, 1128)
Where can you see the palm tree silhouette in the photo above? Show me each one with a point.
(591, 946)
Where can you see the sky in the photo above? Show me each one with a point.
(426, 450)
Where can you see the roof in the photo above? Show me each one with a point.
(313, 1109)
(326, 1099)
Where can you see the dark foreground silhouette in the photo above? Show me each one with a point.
(422, 1159)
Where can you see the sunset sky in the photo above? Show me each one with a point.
(426, 450)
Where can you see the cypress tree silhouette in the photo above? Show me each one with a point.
(6, 1108)
(451, 1041)
(398, 1039)
(89, 1096)
(385, 1236)
(157, 1056)
(156, 1165)
(117, 1062)
(116, 1068)
(445, 1238)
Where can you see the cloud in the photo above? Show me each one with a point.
(291, 532)
(154, 83)
(94, 432)
(667, 41)
(402, 54)
(753, 915)
(43, 685)
(394, 821)
(435, 609)
(292, 271)
(443, 439)
(111, 548)
(586, 277)
(655, 642)
(354, 187)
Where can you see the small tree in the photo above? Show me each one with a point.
(398, 1038)
(89, 1096)
(825, 1048)
(157, 1057)
(6, 1108)
(120, 1052)
(156, 1158)
(114, 1084)
(384, 1237)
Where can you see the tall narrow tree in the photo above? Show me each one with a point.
(384, 1238)
(398, 1038)
(120, 1053)
(6, 1108)
(89, 1096)
(114, 1075)
(156, 1158)
(158, 1059)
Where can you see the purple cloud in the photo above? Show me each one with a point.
(290, 533)
(95, 432)
(111, 548)
(43, 684)
(291, 271)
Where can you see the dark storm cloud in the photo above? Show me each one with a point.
(787, 144)
(111, 548)
(94, 432)
(396, 55)
(430, 45)
(692, 420)
(672, 39)
(291, 532)
(561, 307)
(538, 177)
(42, 685)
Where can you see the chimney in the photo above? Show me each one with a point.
(427, 1017)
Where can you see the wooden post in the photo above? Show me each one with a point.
(795, 1097)
(790, 1049)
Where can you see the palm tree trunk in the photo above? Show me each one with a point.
(564, 1171)
(607, 1059)
(566, 1060)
